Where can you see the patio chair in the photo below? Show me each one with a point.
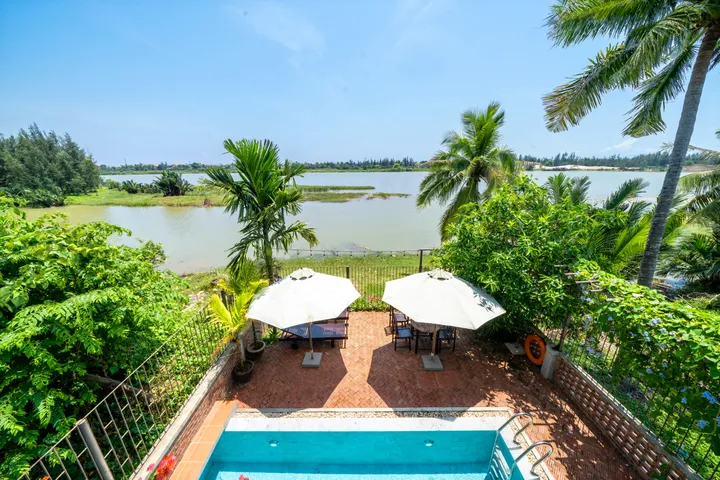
(446, 337)
(403, 334)
(324, 331)
(398, 320)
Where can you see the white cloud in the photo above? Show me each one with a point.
(622, 146)
(416, 21)
(283, 25)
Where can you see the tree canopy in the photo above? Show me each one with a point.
(73, 309)
(43, 167)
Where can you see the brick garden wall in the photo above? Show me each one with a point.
(620, 426)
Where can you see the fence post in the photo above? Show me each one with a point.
(94, 450)
(421, 258)
(347, 271)
(568, 318)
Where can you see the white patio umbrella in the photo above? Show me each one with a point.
(304, 296)
(438, 297)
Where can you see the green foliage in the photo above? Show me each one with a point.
(470, 159)
(263, 197)
(43, 167)
(171, 184)
(233, 318)
(514, 246)
(673, 348)
(72, 306)
(658, 44)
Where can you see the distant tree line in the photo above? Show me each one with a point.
(43, 167)
(655, 160)
(385, 164)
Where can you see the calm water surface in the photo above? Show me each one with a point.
(197, 238)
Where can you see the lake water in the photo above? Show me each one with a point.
(197, 238)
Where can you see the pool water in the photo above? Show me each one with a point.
(274, 454)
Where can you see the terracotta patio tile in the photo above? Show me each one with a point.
(367, 373)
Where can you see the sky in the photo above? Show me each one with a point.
(168, 81)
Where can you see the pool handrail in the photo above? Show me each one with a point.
(522, 429)
(538, 461)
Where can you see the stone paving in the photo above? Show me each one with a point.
(366, 372)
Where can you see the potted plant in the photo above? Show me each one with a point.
(232, 319)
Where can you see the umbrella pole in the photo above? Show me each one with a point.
(434, 340)
(310, 337)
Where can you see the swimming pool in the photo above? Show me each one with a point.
(456, 448)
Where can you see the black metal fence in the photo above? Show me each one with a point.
(668, 419)
(124, 426)
(368, 280)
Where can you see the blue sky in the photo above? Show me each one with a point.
(326, 80)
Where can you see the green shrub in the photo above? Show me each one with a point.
(515, 246)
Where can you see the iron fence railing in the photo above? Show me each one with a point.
(657, 408)
(117, 435)
(368, 280)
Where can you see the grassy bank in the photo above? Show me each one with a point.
(368, 272)
(205, 198)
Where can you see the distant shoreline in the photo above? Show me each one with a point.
(694, 168)
(560, 168)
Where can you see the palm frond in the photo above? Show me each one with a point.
(569, 103)
(580, 187)
(573, 21)
(627, 191)
(660, 88)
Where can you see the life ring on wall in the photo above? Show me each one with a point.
(535, 349)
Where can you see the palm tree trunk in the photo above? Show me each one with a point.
(267, 253)
(680, 148)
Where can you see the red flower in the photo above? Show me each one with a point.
(166, 467)
(243, 477)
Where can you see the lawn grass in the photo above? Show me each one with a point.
(368, 272)
(203, 197)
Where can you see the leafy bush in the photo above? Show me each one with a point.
(42, 198)
(671, 347)
(171, 184)
(74, 311)
(130, 186)
(515, 244)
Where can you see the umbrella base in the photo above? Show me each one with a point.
(432, 363)
(312, 360)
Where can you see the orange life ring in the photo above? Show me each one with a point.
(532, 353)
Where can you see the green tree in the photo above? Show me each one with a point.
(76, 314)
(512, 244)
(661, 41)
(42, 167)
(263, 197)
(470, 159)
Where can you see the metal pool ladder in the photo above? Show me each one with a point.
(499, 468)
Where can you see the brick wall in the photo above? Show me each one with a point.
(620, 426)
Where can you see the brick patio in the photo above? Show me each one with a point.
(367, 373)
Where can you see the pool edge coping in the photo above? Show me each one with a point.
(525, 441)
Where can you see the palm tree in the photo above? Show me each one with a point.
(171, 184)
(232, 319)
(262, 198)
(661, 41)
(470, 158)
(560, 186)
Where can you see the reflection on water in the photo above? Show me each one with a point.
(197, 238)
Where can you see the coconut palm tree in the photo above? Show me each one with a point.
(470, 159)
(661, 40)
(263, 196)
